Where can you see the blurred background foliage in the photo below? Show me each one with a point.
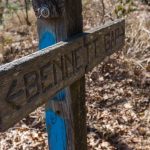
(8, 8)
(11, 7)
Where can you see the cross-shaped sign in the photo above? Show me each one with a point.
(28, 82)
(31, 81)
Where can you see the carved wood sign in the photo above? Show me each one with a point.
(29, 82)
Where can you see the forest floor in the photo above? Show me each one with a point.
(117, 91)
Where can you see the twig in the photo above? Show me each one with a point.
(103, 10)
(146, 31)
(18, 17)
(26, 11)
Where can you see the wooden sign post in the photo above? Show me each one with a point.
(60, 20)
(39, 78)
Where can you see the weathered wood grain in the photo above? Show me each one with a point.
(55, 8)
(59, 118)
(29, 82)
(79, 113)
(74, 25)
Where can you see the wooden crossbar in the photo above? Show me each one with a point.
(29, 82)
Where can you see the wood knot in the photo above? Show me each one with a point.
(48, 8)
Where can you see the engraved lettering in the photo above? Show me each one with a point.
(117, 34)
(77, 59)
(113, 39)
(96, 47)
(58, 70)
(64, 66)
(107, 41)
(14, 94)
(121, 34)
(47, 79)
(91, 51)
(69, 64)
(31, 85)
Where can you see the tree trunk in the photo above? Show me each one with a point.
(1, 11)
(27, 2)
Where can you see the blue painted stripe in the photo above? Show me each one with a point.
(48, 39)
(57, 138)
(56, 131)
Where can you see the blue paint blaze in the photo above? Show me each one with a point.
(57, 138)
(48, 39)
(60, 96)
(56, 131)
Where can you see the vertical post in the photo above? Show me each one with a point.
(65, 113)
